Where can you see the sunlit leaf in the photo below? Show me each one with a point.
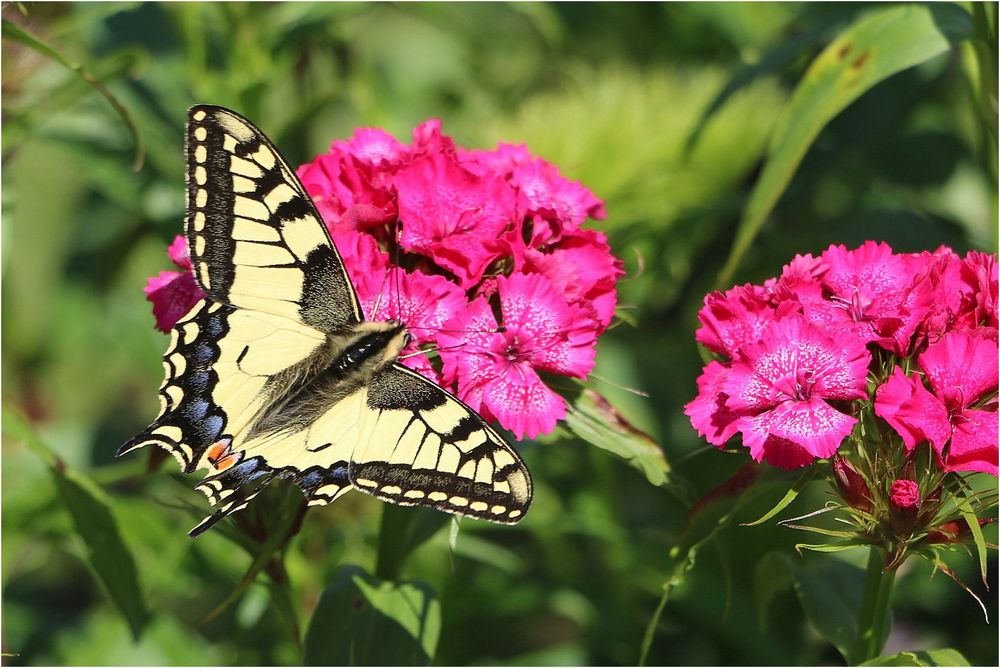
(362, 621)
(871, 50)
(592, 418)
(931, 657)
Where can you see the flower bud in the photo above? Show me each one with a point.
(852, 486)
(904, 496)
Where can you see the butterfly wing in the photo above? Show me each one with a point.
(255, 238)
(275, 286)
(425, 447)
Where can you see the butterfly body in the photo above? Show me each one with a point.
(277, 374)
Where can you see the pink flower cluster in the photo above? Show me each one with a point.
(800, 349)
(480, 252)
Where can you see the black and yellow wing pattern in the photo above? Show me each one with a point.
(276, 374)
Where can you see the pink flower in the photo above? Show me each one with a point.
(732, 319)
(373, 146)
(424, 303)
(423, 226)
(502, 160)
(904, 499)
(709, 414)
(912, 411)
(780, 385)
(497, 371)
(853, 487)
(348, 191)
(364, 260)
(553, 203)
(868, 295)
(962, 370)
(938, 292)
(173, 293)
(979, 273)
(452, 215)
(583, 269)
(904, 495)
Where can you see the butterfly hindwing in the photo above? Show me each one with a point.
(427, 448)
(255, 238)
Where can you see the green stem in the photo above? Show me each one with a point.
(873, 618)
(647, 639)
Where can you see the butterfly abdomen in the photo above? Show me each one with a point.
(346, 362)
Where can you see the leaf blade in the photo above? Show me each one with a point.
(872, 49)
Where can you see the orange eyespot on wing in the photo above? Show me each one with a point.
(221, 456)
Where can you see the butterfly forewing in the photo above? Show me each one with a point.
(255, 238)
(254, 387)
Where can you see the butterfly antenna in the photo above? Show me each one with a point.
(495, 330)
(378, 300)
(433, 348)
(397, 234)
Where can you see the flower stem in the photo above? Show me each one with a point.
(873, 617)
(647, 638)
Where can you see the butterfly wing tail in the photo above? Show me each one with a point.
(235, 487)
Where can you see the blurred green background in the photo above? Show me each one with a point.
(664, 110)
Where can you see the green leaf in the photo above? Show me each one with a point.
(787, 498)
(107, 552)
(838, 546)
(17, 427)
(402, 531)
(931, 657)
(591, 417)
(871, 50)
(362, 621)
(90, 509)
(830, 592)
(772, 575)
(972, 521)
(13, 32)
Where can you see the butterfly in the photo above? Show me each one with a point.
(276, 373)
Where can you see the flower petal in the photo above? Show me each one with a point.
(173, 294)
(812, 425)
(915, 414)
(709, 414)
(961, 367)
(974, 442)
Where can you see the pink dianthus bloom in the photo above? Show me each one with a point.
(173, 293)
(497, 371)
(583, 269)
(431, 233)
(961, 370)
(776, 392)
(867, 293)
(424, 303)
(732, 319)
(452, 215)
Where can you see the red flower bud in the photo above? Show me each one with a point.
(905, 498)
(852, 486)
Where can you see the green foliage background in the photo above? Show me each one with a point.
(665, 111)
